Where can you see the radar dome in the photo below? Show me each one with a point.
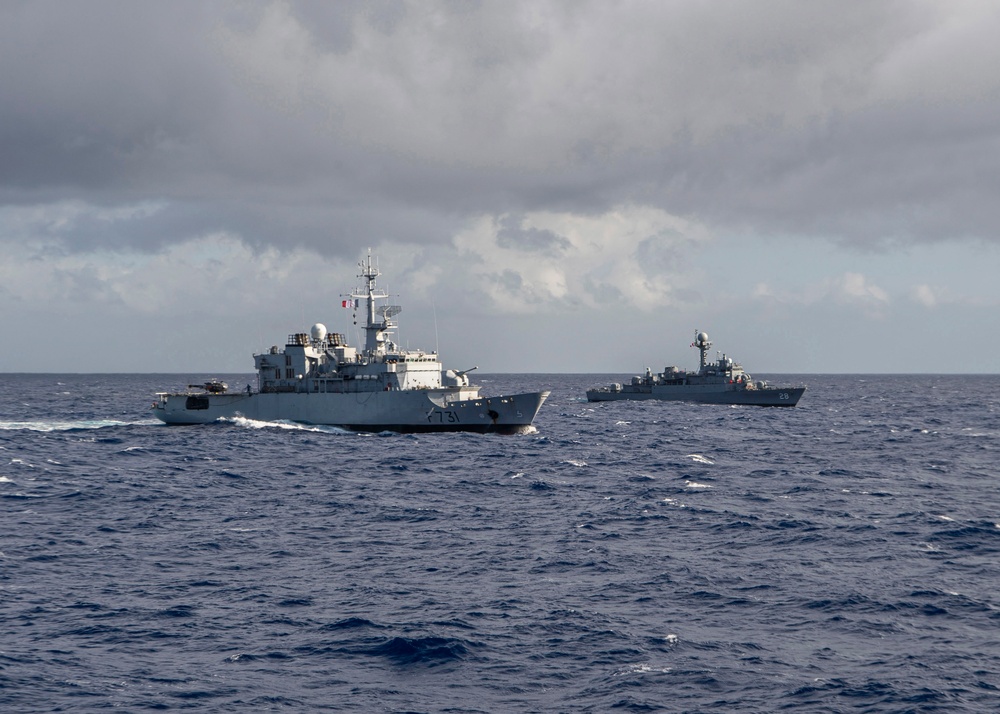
(319, 332)
(703, 337)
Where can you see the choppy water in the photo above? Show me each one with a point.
(840, 556)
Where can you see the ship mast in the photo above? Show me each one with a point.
(702, 343)
(374, 339)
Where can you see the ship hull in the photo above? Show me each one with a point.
(768, 397)
(400, 411)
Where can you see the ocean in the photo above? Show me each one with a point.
(841, 556)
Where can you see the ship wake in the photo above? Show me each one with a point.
(283, 425)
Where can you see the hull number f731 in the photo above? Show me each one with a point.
(442, 417)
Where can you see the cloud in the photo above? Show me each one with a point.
(631, 256)
(853, 290)
(214, 276)
(924, 295)
(515, 160)
(290, 124)
(514, 235)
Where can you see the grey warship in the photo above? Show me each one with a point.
(319, 379)
(719, 382)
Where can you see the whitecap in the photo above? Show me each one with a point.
(643, 669)
(575, 462)
(4, 479)
(695, 484)
(699, 459)
(63, 425)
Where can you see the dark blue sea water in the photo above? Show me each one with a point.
(842, 556)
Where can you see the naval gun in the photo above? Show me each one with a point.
(456, 378)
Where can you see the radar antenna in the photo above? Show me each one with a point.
(702, 343)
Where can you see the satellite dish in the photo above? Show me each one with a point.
(388, 311)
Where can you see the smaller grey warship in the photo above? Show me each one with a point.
(318, 379)
(721, 382)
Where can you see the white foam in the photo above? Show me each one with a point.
(575, 462)
(695, 484)
(643, 669)
(66, 425)
(286, 425)
(699, 459)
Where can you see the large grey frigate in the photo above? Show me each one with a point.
(319, 379)
(719, 382)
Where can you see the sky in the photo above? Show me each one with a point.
(563, 186)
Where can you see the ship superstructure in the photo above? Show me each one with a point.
(317, 378)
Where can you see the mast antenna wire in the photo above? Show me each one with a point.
(437, 342)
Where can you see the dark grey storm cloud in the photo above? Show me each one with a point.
(313, 124)
(511, 234)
